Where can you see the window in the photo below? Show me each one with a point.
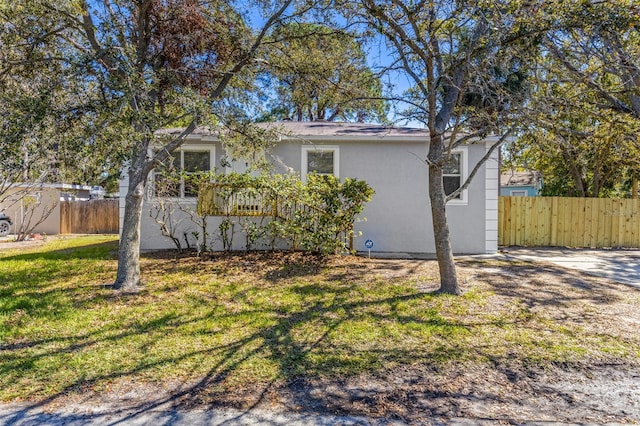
(323, 160)
(518, 193)
(167, 179)
(454, 174)
(194, 162)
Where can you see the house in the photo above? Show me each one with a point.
(389, 159)
(527, 183)
(30, 203)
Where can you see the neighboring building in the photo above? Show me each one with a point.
(398, 218)
(523, 184)
(29, 203)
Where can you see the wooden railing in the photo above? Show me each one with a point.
(218, 199)
(221, 200)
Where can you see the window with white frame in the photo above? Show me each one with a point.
(518, 193)
(323, 160)
(168, 180)
(454, 173)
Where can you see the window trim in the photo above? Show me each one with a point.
(518, 193)
(180, 151)
(304, 166)
(464, 174)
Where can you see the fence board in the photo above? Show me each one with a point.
(570, 222)
(89, 217)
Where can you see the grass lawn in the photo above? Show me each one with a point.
(249, 319)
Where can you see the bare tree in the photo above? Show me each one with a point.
(465, 83)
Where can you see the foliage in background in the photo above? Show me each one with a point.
(51, 128)
(583, 121)
(321, 73)
(580, 149)
(597, 46)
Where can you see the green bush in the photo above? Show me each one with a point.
(316, 216)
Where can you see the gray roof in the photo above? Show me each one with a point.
(330, 130)
(320, 129)
(337, 129)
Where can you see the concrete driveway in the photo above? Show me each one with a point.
(622, 266)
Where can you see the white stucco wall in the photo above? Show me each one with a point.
(398, 217)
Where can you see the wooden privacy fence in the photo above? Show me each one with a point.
(89, 217)
(570, 222)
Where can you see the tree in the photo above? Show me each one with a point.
(156, 64)
(460, 59)
(28, 88)
(584, 115)
(321, 73)
(51, 130)
(581, 149)
(598, 46)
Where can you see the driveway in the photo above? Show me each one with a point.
(622, 266)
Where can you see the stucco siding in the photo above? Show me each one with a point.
(16, 200)
(467, 221)
(398, 218)
(492, 185)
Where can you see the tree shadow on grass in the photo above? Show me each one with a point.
(317, 373)
(318, 356)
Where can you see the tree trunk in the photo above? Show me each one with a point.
(128, 276)
(444, 253)
(576, 174)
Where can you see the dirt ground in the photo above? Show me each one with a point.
(598, 391)
(415, 395)
(8, 244)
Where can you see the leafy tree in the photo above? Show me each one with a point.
(585, 112)
(581, 149)
(461, 58)
(598, 46)
(52, 123)
(29, 91)
(322, 73)
(155, 64)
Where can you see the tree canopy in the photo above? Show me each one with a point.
(321, 73)
(86, 85)
(139, 66)
(48, 109)
(584, 115)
